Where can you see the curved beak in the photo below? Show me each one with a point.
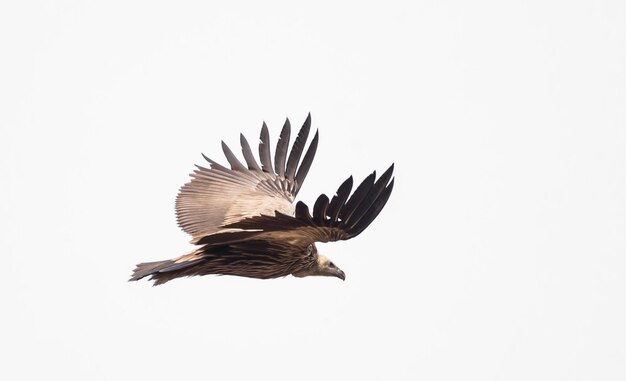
(340, 274)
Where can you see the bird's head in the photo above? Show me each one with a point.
(322, 266)
(326, 267)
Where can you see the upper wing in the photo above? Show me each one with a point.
(219, 196)
(341, 218)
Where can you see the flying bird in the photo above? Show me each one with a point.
(244, 221)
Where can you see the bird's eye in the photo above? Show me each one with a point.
(331, 265)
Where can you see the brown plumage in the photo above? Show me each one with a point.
(244, 221)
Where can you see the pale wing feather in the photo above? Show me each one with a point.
(214, 198)
(219, 196)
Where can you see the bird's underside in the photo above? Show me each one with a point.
(243, 220)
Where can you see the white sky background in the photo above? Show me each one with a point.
(500, 255)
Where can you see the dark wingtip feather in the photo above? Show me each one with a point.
(357, 197)
(339, 199)
(361, 209)
(371, 214)
(383, 180)
(389, 170)
(281, 149)
(307, 161)
(235, 164)
(297, 148)
(319, 208)
(264, 150)
(302, 212)
(214, 164)
(247, 154)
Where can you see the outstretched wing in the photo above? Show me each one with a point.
(341, 218)
(219, 196)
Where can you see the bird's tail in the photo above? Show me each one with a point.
(149, 268)
(163, 271)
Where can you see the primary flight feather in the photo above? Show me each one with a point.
(244, 221)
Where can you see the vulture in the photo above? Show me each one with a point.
(244, 222)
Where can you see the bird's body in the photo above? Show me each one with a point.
(244, 221)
